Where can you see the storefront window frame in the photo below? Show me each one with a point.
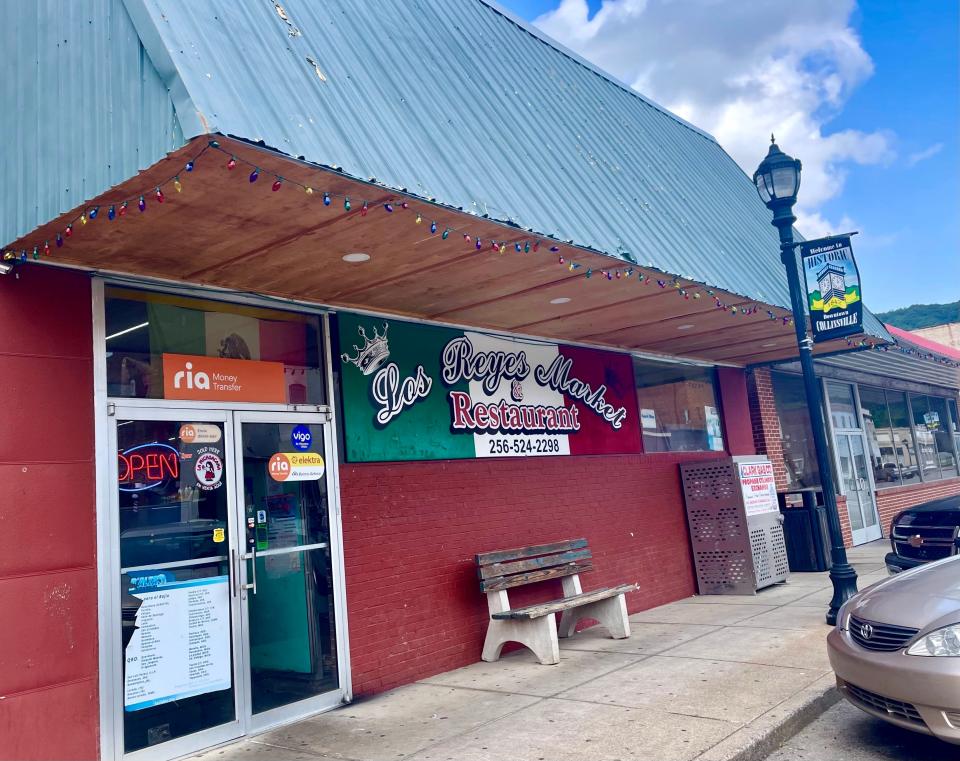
(926, 478)
(718, 404)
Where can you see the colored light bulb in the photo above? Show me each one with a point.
(346, 204)
(404, 205)
(479, 244)
(277, 184)
(326, 199)
(93, 212)
(160, 196)
(189, 166)
(111, 213)
(232, 163)
(83, 219)
(418, 220)
(36, 253)
(23, 256)
(255, 174)
(526, 247)
(59, 240)
(388, 207)
(364, 209)
(517, 247)
(536, 246)
(123, 209)
(503, 248)
(446, 234)
(142, 204)
(433, 227)
(176, 184)
(308, 190)
(560, 259)
(46, 248)
(69, 231)
(466, 237)
(554, 249)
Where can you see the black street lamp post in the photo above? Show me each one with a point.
(777, 180)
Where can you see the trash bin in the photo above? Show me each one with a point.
(805, 529)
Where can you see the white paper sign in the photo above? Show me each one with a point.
(182, 645)
(759, 487)
(648, 419)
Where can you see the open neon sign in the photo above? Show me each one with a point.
(147, 466)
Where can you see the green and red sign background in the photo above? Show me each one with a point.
(442, 393)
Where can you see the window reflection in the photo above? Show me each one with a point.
(678, 407)
(794, 415)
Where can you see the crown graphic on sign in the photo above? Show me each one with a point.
(374, 353)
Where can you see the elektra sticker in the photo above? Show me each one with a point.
(296, 466)
(208, 469)
(415, 391)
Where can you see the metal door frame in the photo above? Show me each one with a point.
(114, 697)
(875, 530)
(286, 713)
(107, 528)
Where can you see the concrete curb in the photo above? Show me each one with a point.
(767, 732)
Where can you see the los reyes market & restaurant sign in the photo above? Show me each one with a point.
(412, 391)
(833, 287)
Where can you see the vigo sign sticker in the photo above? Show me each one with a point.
(213, 378)
(420, 392)
(296, 466)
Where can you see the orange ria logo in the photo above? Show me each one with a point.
(218, 379)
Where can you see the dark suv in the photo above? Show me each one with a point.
(924, 533)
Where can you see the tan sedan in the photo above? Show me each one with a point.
(896, 649)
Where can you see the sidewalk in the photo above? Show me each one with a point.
(706, 678)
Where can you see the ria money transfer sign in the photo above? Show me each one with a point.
(423, 392)
(833, 287)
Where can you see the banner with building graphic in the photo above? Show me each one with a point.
(833, 287)
(414, 391)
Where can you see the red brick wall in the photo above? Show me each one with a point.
(411, 531)
(48, 577)
(892, 500)
(767, 437)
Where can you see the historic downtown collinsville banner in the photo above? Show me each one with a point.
(833, 287)
(414, 391)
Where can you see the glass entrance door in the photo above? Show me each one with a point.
(178, 622)
(854, 470)
(227, 595)
(288, 584)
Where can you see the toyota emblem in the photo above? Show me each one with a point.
(916, 540)
(866, 631)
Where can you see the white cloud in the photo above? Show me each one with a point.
(927, 153)
(741, 70)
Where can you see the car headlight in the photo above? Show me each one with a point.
(945, 641)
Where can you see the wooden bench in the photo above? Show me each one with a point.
(535, 626)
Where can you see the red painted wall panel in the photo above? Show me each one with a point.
(735, 407)
(48, 650)
(411, 531)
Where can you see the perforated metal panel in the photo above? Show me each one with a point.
(733, 553)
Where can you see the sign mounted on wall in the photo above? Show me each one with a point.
(187, 376)
(833, 287)
(423, 392)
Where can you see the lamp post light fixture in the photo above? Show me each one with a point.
(778, 180)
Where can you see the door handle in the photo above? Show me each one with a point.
(234, 573)
(252, 557)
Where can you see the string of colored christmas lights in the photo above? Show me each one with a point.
(120, 207)
(929, 356)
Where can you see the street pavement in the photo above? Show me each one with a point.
(845, 733)
(711, 678)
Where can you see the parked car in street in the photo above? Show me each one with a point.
(924, 533)
(896, 649)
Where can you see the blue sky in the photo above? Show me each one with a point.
(875, 115)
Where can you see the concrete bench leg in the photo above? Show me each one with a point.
(538, 634)
(611, 613)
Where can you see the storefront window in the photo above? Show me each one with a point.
(843, 410)
(161, 346)
(798, 452)
(935, 440)
(889, 437)
(954, 425)
(678, 407)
